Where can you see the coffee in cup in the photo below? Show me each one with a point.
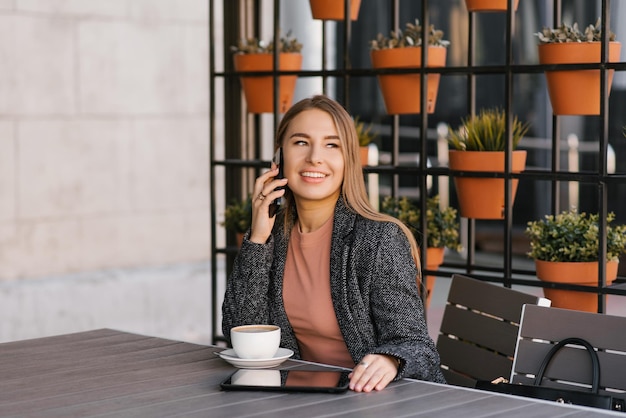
(255, 341)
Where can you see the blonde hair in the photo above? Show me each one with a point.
(353, 189)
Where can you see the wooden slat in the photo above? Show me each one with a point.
(565, 323)
(490, 298)
(458, 379)
(489, 332)
(470, 360)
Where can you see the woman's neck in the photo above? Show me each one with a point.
(312, 215)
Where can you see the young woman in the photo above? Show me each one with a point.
(338, 277)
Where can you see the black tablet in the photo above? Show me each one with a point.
(288, 380)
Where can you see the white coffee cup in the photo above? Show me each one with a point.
(255, 341)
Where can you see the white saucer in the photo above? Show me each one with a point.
(281, 355)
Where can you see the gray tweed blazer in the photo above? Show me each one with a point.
(373, 291)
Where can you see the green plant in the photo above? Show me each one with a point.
(238, 215)
(411, 36)
(364, 132)
(286, 44)
(442, 225)
(485, 132)
(566, 33)
(573, 236)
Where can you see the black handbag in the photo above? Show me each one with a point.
(568, 396)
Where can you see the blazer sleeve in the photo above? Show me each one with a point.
(246, 296)
(398, 311)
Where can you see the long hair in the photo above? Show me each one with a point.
(353, 189)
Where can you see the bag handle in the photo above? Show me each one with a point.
(595, 362)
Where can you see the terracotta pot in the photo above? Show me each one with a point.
(401, 92)
(434, 258)
(364, 155)
(576, 92)
(333, 9)
(259, 90)
(483, 198)
(581, 273)
(489, 5)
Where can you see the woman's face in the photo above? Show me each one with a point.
(313, 157)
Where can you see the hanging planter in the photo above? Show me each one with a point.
(253, 55)
(435, 259)
(565, 248)
(489, 5)
(478, 146)
(480, 197)
(401, 92)
(333, 9)
(365, 136)
(580, 273)
(575, 92)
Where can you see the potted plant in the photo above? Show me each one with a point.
(489, 5)
(253, 55)
(442, 230)
(403, 49)
(333, 9)
(237, 217)
(565, 249)
(575, 92)
(365, 135)
(479, 145)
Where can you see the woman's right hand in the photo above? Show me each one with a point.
(264, 194)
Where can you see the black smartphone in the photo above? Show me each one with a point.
(278, 160)
(289, 380)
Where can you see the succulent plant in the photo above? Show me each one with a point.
(238, 215)
(364, 132)
(572, 236)
(442, 225)
(485, 132)
(566, 33)
(286, 43)
(410, 37)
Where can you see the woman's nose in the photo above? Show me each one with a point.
(315, 155)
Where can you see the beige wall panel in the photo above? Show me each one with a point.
(7, 171)
(75, 7)
(35, 249)
(132, 69)
(69, 168)
(38, 62)
(189, 10)
(170, 164)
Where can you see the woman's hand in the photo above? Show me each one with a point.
(264, 194)
(374, 372)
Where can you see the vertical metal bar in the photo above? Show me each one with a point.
(212, 217)
(347, 31)
(602, 154)
(276, 58)
(556, 132)
(508, 161)
(395, 124)
(471, 104)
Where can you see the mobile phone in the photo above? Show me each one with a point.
(278, 160)
(289, 380)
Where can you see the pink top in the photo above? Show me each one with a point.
(306, 294)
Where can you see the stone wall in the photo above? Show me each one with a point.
(103, 157)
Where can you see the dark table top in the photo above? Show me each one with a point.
(112, 373)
